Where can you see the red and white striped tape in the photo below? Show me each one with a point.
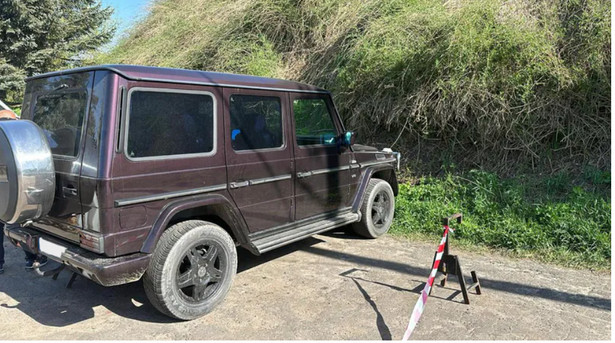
(420, 304)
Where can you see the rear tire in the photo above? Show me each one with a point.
(377, 209)
(191, 270)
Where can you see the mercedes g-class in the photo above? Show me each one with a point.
(127, 172)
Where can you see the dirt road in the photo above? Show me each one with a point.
(333, 286)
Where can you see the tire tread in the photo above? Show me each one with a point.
(362, 227)
(153, 277)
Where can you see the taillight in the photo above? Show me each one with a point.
(92, 241)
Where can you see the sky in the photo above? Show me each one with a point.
(126, 13)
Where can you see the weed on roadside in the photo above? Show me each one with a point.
(551, 219)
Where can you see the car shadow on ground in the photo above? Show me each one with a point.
(50, 303)
(344, 232)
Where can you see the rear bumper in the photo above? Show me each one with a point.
(107, 271)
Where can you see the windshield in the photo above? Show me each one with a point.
(61, 115)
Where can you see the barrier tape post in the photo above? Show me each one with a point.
(444, 263)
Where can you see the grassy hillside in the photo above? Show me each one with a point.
(515, 85)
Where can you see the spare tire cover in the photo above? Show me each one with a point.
(27, 176)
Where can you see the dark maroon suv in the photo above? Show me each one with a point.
(121, 172)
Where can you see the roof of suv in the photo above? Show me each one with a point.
(208, 78)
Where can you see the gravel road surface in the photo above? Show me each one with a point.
(332, 286)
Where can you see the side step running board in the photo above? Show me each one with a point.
(280, 238)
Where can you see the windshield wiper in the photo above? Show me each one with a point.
(60, 87)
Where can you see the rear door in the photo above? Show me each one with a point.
(258, 156)
(322, 178)
(59, 105)
(171, 149)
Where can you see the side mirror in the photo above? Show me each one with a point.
(348, 138)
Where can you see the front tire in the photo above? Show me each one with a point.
(191, 270)
(377, 209)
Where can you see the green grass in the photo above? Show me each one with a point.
(550, 218)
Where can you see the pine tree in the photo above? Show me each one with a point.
(37, 36)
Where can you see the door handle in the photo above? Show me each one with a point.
(239, 184)
(301, 175)
(69, 191)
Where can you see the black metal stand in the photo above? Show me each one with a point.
(450, 264)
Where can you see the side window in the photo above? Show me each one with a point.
(256, 122)
(169, 123)
(313, 124)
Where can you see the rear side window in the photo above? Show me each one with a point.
(256, 122)
(313, 124)
(60, 115)
(168, 123)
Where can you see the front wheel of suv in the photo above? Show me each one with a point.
(191, 270)
(377, 210)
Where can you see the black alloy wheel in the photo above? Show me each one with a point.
(381, 209)
(200, 271)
